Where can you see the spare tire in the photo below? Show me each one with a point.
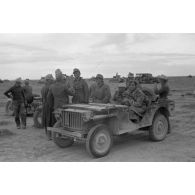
(37, 118)
(9, 108)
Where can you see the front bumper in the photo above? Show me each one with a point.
(72, 134)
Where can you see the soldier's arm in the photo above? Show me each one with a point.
(139, 100)
(7, 93)
(107, 95)
(69, 91)
(86, 91)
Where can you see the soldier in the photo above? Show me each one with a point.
(164, 89)
(28, 92)
(118, 95)
(17, 94)
(136, 100)
(130, 77)
(58, 94)
(81, 88)
(47, 110)
(58, 91)
(100, 92)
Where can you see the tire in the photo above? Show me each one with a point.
(93, 145)
(159, 128)
(62, 142)
(37, 118)
(9, 108)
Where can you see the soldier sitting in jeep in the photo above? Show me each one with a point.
(136, 100)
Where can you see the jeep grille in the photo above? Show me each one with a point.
(72, 120)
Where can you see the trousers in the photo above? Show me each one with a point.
(20, 113)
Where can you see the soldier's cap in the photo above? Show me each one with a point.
(162, 77)
(19, 80)
(58, 71)
(99, 76)
(49, 77)
(76, 70)
(26, 80)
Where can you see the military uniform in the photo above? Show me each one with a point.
(47, 110)
(28, 94)
(81, 91)
(100, 94)
(18, 97)
(137, 101)
(163, 91)
(58, 94)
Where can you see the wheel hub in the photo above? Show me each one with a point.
(102, 142)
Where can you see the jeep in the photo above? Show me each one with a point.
(96, 124)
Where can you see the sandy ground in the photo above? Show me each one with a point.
(32, 145)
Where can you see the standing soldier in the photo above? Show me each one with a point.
(81, 88)
(17, 94)
(163, 89)
(47, 110)
(28, 92)
(58, 94)
(100, 92)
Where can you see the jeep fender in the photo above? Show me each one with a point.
(165, 112)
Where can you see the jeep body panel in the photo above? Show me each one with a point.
(78, 119)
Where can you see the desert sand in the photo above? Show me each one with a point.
(32, 145)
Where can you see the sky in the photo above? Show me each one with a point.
(35, 55)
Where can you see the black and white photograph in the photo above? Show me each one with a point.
(97, 97)
(117, 97)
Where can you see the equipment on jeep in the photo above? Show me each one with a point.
(146, 78)
(97, 124)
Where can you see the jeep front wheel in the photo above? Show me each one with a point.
(99, 141)
(159, 128)
(59, 140)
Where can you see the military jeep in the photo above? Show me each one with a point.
(97, 124)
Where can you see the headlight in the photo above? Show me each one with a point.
(87, 116)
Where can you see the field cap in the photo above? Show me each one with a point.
(162, 77)
(19, 80)
(76, 70)
(26, 80)
(58, 71)
(99, 76)
(49, 77)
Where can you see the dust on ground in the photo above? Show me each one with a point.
(31, 144)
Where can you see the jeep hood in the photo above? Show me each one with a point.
(95, 107)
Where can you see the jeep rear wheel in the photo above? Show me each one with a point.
(159, 128)
(59, 140)
(99, 141)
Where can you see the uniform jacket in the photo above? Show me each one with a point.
(137, 100)
(81, 91)
(47, 110)
(17, 93)
(100, 94)
(58, 94)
